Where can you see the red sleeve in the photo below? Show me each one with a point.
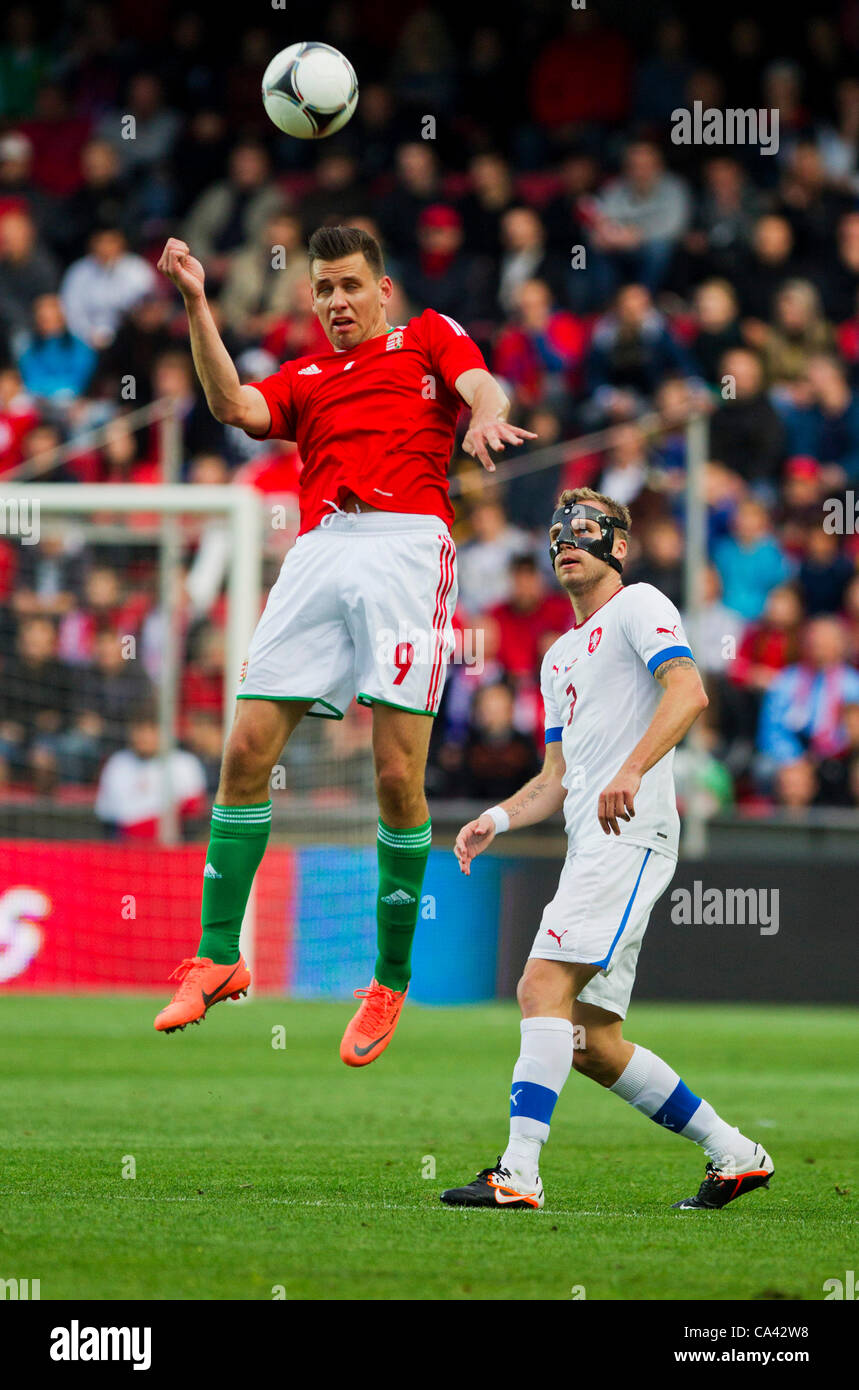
(451, 351)
(277, 392)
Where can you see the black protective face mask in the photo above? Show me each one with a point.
(600, 547)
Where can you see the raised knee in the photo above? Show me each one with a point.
(529, 996)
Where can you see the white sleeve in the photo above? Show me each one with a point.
(554, 720)
(75, 293)
(190, 776)
(108, 797)
(654, 627)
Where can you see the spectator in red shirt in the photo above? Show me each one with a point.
(203, 683)
(441, 273)
(18, 416)
(583, 76)
(299, 334)
(526, 617)
(771, 644)
(540, 354)
(766, 648)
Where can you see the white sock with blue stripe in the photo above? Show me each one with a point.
(545, 1059)
(654, 1088)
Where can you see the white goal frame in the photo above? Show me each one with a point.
(243, 509)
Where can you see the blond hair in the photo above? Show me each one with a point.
(588, 496)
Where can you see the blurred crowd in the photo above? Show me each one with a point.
(523, 180)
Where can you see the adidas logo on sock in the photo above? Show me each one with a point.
(211, 872)
(399, 898)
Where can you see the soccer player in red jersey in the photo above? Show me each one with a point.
(374, 420)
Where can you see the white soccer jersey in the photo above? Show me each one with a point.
(600, 695)
(132, 790)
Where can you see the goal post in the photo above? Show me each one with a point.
(28, 507)
(241, 506)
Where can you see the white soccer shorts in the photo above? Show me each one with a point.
(599, 915)
(362, 608)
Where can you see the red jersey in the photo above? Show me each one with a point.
(377, 420)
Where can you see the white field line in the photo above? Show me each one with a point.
(270, 1201)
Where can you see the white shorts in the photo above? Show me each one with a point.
(362, 608)
(600, 913)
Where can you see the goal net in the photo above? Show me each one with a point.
(125, 616)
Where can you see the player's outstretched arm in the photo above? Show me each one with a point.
(489, 410)
(539, 798)
(229, 401)
(683, 701)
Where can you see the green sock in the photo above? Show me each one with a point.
(239, 838)
(403, 858)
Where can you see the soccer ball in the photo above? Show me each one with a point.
(310, 90)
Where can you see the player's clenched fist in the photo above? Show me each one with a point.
(182, 268)
(472, 840)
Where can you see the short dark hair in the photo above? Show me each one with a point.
(332, 243)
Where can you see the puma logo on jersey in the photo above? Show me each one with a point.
(399, 898)
(309, 371)
(669, 631)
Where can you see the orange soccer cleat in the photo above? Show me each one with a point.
(202, 984)
(373, 1026)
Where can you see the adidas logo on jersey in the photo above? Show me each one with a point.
(399, 898)
(309, 371)
(211, 872)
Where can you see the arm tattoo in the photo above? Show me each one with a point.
(662, 671)
(528, 794)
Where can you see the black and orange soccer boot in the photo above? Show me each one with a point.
(202, 984)
(723, 1184)
(495, 1187)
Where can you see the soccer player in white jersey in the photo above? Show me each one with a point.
(620, 690)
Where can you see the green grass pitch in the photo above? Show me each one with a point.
(261, 1168)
